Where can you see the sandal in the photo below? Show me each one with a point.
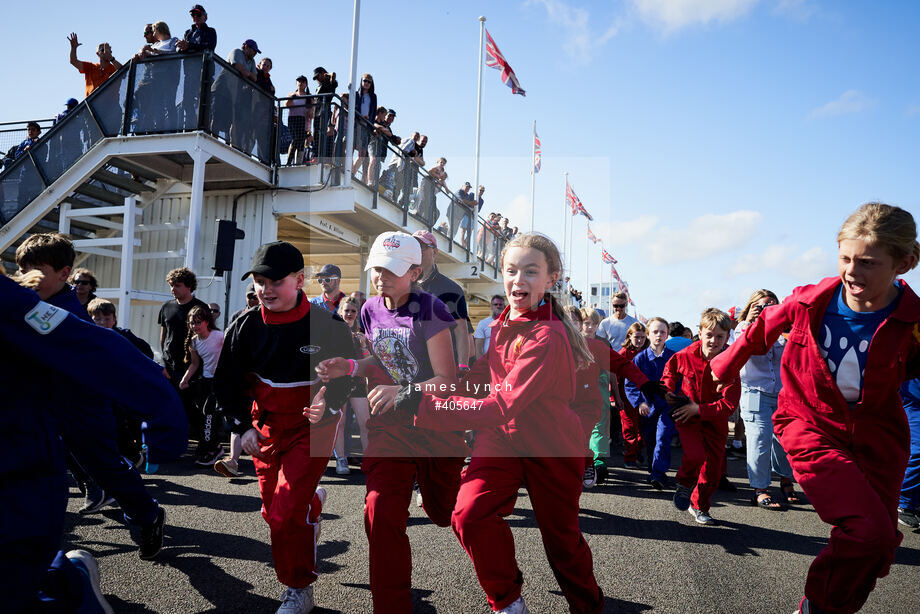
(766, 502)
(788, 494)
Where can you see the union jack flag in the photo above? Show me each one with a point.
(591, 236)
(495, 59)
(613, 271)
(574, 203)
(537, 153)
(607, 258)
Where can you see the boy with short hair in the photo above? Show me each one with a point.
(103, 314)
(265, 379)
(700, 408)
(87, 424)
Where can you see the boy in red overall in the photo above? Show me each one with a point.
(269, 356)
(703, 421)
(852, 340)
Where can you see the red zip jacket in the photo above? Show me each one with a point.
(688, 372)
(527, 412)
(809, 391)
(628, 354)
(587, 403)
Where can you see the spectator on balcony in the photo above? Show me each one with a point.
(199, 37)
(163, 44)
(155, 93)
(460, 211)
(263, 110)
(451, 294)
(94, 74)
(377, 148)
(506, 231)
(335, 133)
(264, 78)
(428, 191)
(84, 284)
(298, 104)
(33, 130)
(69, 106)
(329, 278)
(325, 88)
(149, 38)
(231, 100)
(365, 107)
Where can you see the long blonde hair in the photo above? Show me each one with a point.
(758, 294)
(885, 226)
(545, 245)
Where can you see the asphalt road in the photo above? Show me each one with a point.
(648, 557)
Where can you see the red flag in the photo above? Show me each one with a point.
(537, 153)
(591, 236)
(495, 59)
(574, 203)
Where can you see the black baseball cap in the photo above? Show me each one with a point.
(319, 70)
(329, 270)
(275, 261)
(198, 8)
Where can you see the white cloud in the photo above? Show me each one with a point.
(786, 259)
(580, 42)
(851, 101)
(705, 236)
(799, 10)
(619, 233)
(670, 16)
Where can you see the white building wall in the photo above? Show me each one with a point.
(253, 216)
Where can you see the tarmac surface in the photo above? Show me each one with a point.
(648, 557)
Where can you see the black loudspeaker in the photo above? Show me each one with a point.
(227, 236)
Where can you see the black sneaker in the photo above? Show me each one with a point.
(95, 500)
(657, 484)
(682, 497)
(207, 458)
(590, 477)
(727, 486)
(152, 537)
(908, 518)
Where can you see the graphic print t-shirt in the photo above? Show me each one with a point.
(844, 342)
(399, 337)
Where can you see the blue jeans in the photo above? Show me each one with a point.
(658, 430)
(763, 448)
(910, 491)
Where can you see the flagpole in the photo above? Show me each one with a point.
(533, 172)
(482, 27)
(571, 245)
(587, 279)
(565, 225)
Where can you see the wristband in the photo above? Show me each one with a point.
(463, 366)
(352, 366)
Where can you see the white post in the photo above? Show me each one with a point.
(533, 171)
(199, 159)
(350, 134)
(565, 224)
(482, 28)
(127, 262)
(587, 265)
(64, 218)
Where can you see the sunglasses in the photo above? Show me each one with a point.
(623, 306)
(215, 311)
(82, 282)
(196, 13)
(326, 280)
(366, 81)
(148, 32)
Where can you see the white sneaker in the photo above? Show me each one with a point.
(341, 466)
(321, 493)
(418, 498)
(297, 601)
(86, 564)
(518, 607)
(701, 517)
(227, 467)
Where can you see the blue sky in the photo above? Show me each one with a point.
(719, 144)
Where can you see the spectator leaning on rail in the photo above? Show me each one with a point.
(69, 106)
(95, 74)
(231, 100)
(199, 37)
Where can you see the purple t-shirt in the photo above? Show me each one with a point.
(399, 337)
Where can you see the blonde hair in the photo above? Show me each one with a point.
(882, 225)
(590, 313)
(712, 318)
(650, 321)
(758, 294)
(635, 327)
(160, 27)
(573, 313)
(545, 245)
(100, 306)
(350, 300)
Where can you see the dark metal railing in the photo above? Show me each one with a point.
(178, 93)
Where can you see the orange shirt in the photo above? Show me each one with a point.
(95, 75)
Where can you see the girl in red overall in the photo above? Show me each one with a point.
(636, 341)
(408, 331)
(703, 421)
(587, 403)
(852, 340)
(526, 434)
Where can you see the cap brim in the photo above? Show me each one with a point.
(265, 271)
(395, 266)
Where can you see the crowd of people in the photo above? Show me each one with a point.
(820, 382)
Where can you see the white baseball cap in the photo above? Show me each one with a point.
(395, 252)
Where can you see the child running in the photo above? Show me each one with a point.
(657, 426)
(409, 335)
(599, 442)
(702, 419)
(202, 351)
(527, 434)
(261, 381)
(630, 421)
(853, 339)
